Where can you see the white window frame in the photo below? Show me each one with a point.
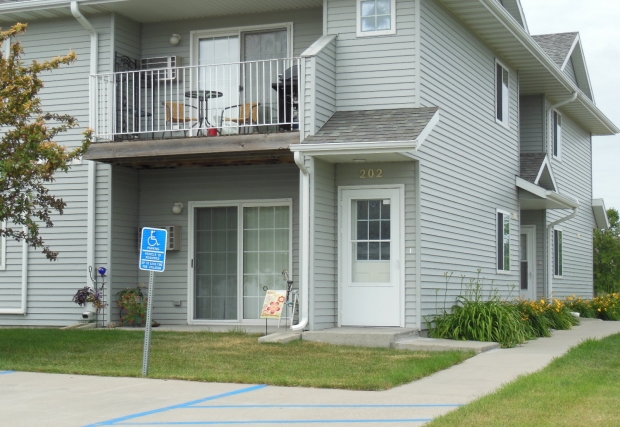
(506, 216)
(556, 126)
(239, 204)
(558, 254)
(358, 23)
(505, 95)
(3, 249)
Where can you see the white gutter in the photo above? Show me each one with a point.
(566, 101)
(550, 266)
(92, 166)
(528, 42)
(304, 243)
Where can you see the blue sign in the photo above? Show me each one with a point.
(153, 249)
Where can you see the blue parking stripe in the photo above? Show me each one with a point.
(213, 423)
(180, 406)
(421, 405)
(6, 372)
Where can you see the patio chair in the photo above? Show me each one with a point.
(175, 115)
(248, 114)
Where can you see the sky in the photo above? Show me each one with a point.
(598, 21)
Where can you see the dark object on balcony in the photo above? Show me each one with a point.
(288, 96)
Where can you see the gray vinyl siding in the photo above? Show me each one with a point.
(51, 285)
(532, 109)
(160, 189)
(324, 288)
(307, 28)
(320, 88)
(468, 163)
(125, 218)
(569, 70)
(537, 218)
(393, 173)
(127, 40)
(374, 72)
(573, 174)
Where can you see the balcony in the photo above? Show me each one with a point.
(159, 98)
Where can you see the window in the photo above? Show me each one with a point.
(558, 253)
(503, 241)
(376, 17)
(502, 94)
(557, 134)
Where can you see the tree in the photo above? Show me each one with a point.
(29, 157)
(607, 256)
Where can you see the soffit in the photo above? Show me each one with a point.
(149, 10)
(537, 71)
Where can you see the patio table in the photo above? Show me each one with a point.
(203, 97)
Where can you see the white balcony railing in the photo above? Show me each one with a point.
(211, 100)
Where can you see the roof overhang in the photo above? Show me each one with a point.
(534, 197)
(600, 213)
(146, 10)
(538, 73)
(361, 152)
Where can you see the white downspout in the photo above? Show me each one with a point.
(550, 242)
(304, 241)
(92, 166)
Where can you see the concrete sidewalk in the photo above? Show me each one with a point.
(30, 399)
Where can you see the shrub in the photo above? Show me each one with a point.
(473, 318)
(607, 307)
(582, 306)
(533, 313)
(559, 315)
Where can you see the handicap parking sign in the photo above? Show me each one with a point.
(153, 249)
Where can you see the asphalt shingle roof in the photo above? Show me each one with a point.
(530, 165)
(403, 124)
(557, 46)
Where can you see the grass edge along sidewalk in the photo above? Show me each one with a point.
(232, 357)
(580, 388)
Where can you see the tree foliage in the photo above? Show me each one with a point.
(29, 156)
(607, 256)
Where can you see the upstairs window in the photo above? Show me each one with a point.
(503, 241)
(558, 253)
(502, 94)
(557, 134)
(376, 17)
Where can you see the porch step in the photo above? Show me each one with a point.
(280, 337)
(434, 344)
(360, 337)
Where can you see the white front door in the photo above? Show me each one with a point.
(370, 263)
(528, 262)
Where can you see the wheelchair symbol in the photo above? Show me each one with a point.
(152, 241)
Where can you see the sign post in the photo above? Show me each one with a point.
(153, 245)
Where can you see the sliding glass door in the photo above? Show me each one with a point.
(239, 254)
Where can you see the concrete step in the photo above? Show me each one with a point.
(360, 337)
(280, 337)
(435, 344)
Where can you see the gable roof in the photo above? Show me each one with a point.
(535, 168)
(563, 48)
(557, 46)
(389, 125)
(516, 10)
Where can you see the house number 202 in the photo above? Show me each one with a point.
(371, 173)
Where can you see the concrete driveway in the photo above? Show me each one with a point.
(32, 399)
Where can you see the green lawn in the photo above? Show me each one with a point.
(579, 389)
(217, 357)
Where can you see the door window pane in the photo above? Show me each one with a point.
(216, 263)
(371, 241)
(266, 253)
